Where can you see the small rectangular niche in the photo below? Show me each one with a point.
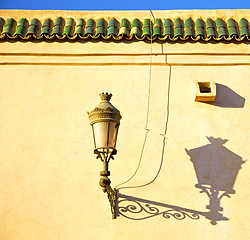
(204, 91)
(204, 87)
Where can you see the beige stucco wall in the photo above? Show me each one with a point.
(49, 175)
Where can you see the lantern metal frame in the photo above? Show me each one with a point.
(105, 112)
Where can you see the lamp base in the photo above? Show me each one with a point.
(111, 194)
(104, 183)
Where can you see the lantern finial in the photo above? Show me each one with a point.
(105, 96)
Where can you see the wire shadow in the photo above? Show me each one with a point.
(216, 169)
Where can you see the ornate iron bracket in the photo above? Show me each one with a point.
(105, 154)
(112, 197)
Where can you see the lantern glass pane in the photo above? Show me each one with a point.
(101, 134)
(113, 129)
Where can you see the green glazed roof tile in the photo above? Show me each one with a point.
(47, 27)
(221, 27)
(189, 27)
(189, 23)
(22, 27)
(147, 27)
(100, 26)
(124, 27)
(58, 27)
(124, 23)
(136, 28)
(140, 29)
(112, 27)
(231, 23)
(210, 27)
(168, 27)
(2, 22)
(232, 27)
(200, 28)
(157, 27)
(90, 27)
(136, 23)
(59, 21)
(178, 28)
(244, 30)
(33, 27)
(178, 23)
(69, 27)
(79, 27)
(9, 26)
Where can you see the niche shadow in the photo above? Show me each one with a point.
(227, 98)
(216, 169)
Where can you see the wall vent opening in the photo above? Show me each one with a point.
(204, 87)
(204, 91)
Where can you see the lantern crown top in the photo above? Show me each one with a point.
(105, 111)
(105, 96)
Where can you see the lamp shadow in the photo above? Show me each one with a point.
(227, 98)
(216, 169)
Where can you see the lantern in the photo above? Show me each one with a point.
(105, 121)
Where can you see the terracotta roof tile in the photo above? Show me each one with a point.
(138, 29)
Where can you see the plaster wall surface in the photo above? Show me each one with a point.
(49, 174)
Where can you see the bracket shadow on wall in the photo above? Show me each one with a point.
(216, 175)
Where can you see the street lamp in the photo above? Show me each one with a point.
(105, 121)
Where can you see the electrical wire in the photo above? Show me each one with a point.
(164, 139)
(146, 125)
(148, 104)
